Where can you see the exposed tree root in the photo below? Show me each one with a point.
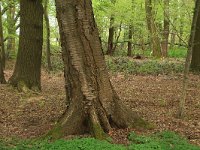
(2, 80)
(124, 117)
(95, 126)
(22, 85)
(76, 121)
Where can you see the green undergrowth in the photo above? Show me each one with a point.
(144, 67)
(121, 63)
(161, 141)
(75, 144)
(176, 52)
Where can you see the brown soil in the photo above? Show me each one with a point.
(155, 98)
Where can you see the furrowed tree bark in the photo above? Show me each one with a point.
(195, 63)
(2, 52)
(93, 105)
(28, 64)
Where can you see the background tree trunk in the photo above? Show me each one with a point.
(2, 41)
(154, 38)
(191, 45)
(28, 64)
(2, 52)
(195, 63)
(11, 29)
(93, 105)
(173, 39)
(181, 32)
(166, 29)
(111, 37)
(2, 78)
(130, 35)
(48, 47)
(111, 32)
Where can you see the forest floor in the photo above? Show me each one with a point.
(155, 98)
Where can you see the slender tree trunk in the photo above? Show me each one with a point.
(143, 46)
(130, 35)
(28, 64)
(173, 40)
(48, 49)
(117, 37)
(165, 40)
(2, 41)
(93, 105)
(173, 34)
(154, 38)
(193, 38)
(11, 29)
(195, 63)
(181, 31)
(2, 52)
(2, 78)
(111, 37)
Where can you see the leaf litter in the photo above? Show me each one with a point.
(155, 98)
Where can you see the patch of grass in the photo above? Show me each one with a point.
(177, 53)
(162, 141)
(3, 145)
(75, 144)
(144, 67)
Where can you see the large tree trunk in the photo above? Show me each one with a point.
(93, 105)
(28, 65)
(48, 48)
(166, 29)
(2, 52)
(154, 38)
(195, 63)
